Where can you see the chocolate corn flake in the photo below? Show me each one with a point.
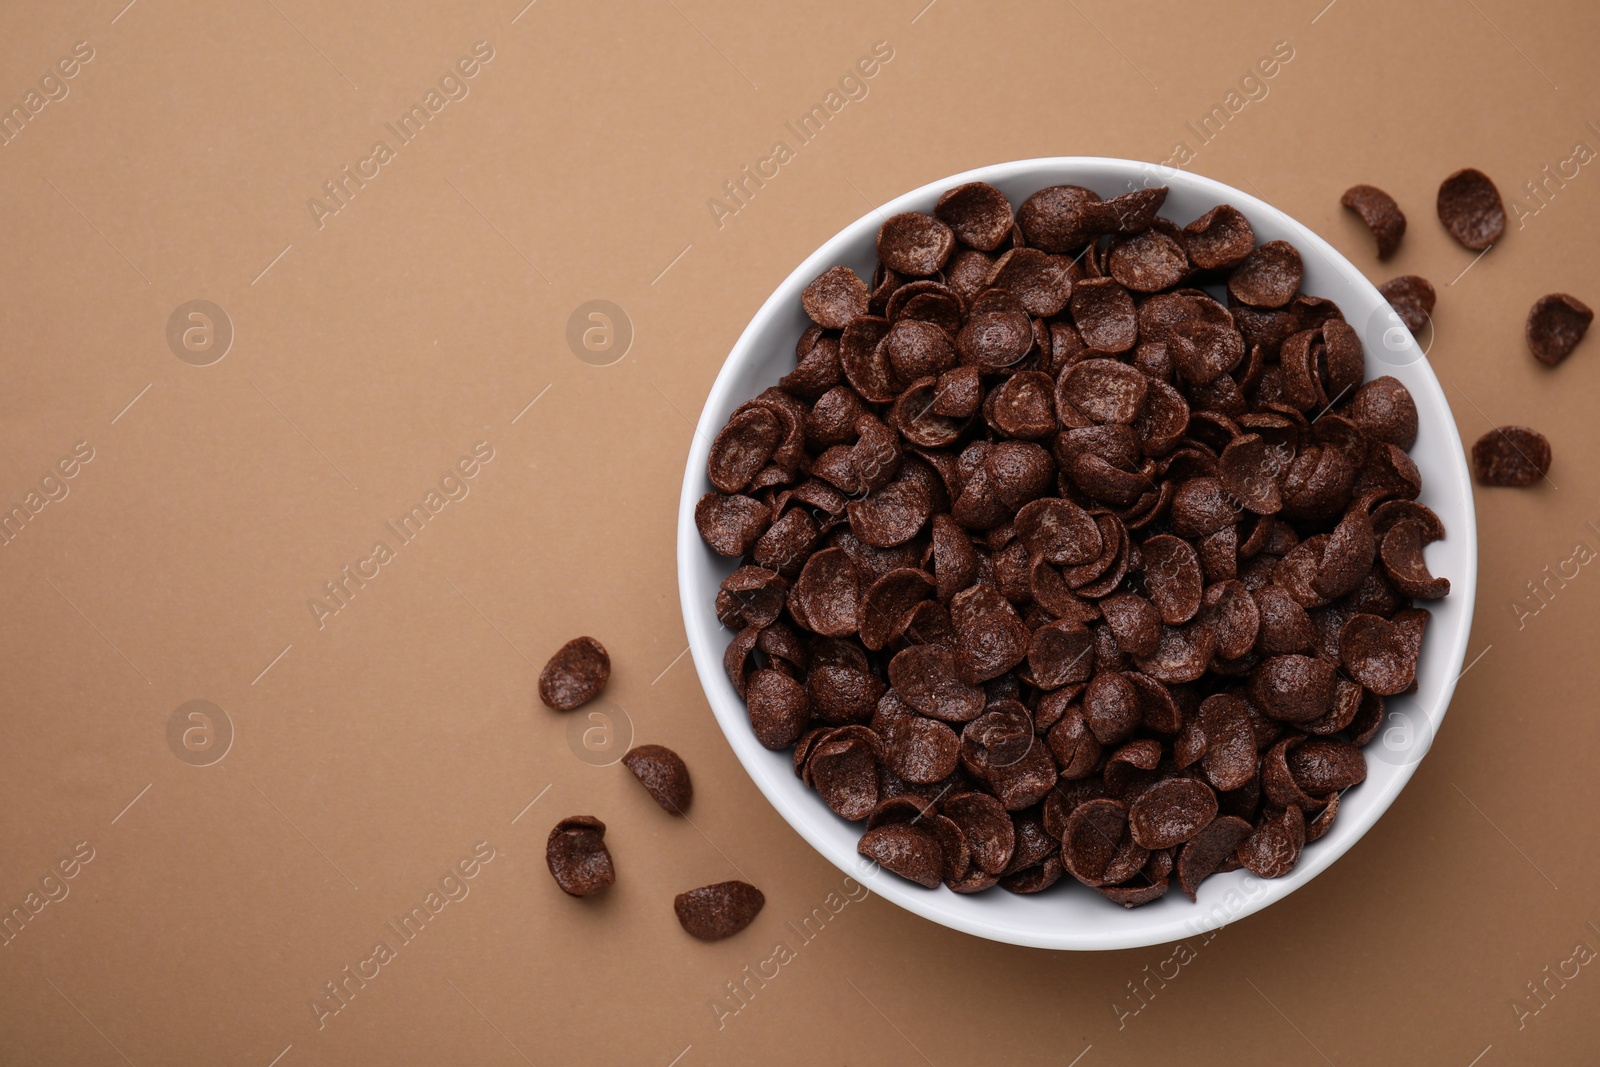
(1381, 214)
(663, 774)
(1511, 456)
(1412, 298)
(577, 857)
(575, 675)
(1046, 562)
(836, 298)
(978, 214)
(1220, 239)
(1269, 276)
(915, 244)
(1471, 209)
(1556, 323)
(714, 912)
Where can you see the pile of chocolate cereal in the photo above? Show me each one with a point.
(1075, 543)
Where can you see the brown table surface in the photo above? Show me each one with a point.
(364, 752)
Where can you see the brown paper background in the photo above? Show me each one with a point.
(372, 754)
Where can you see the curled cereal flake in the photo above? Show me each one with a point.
(575, 675)
(751, 596)
(1112, 707)
(990, 637)
(1248, 470)
(925, 678)
(923, 751)
(1073, 744)
(1059, 531)
(1230, 759)
(1511, 456)
(1199, 334)
(1220, 239)
(1384, 411)
(1230, 613)
(714, 912)
(1470, 208)
(1023, 784)
(917, 415)
(1148, 262)
(842, 694)
(1377, 654)
(1346, 705)
(1024, 405)
(1182, 654)
(1556, 323)
(1189, 747)
(1094, 832)
(817, 369)
(1204, 853)
(978, 214)
(1392, 512)
(915, 244)
(886, 607)
(1104, 314)
(787, 543)
(1381, 214)
(741, 448)
(1344, 362)
(1060, 653)
(1020, 472)
(832, 420)
(663, 774)
(1348, 556)
(993, 339)
(1322, 766)
(863, 360)
(904, 808)
(1293, 688)
(1127, 863)
(916, 349)
(1063, 217)
(1274, 846)
(1134, 621)
(577, 857)
(1034, 879)
(1404, 565)
(1133, 894)
(844, 772)
(987, 830)
(998, 738)
(730, 525)
(1201, 506)
(905, 849)
(836, 298)
(1279, 784)
(1170, 812)
(891, 516)
(1172, 575)
(1269, 276)
(779, 708)
(1039, 280)
(1412, 298)
(1105, 390)
(828, 593)
(1135, 211)
(1165, 418)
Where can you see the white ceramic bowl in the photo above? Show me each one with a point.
(1069, 916)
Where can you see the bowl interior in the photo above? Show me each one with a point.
(1069, 916)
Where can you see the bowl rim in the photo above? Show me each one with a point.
(731, 715)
